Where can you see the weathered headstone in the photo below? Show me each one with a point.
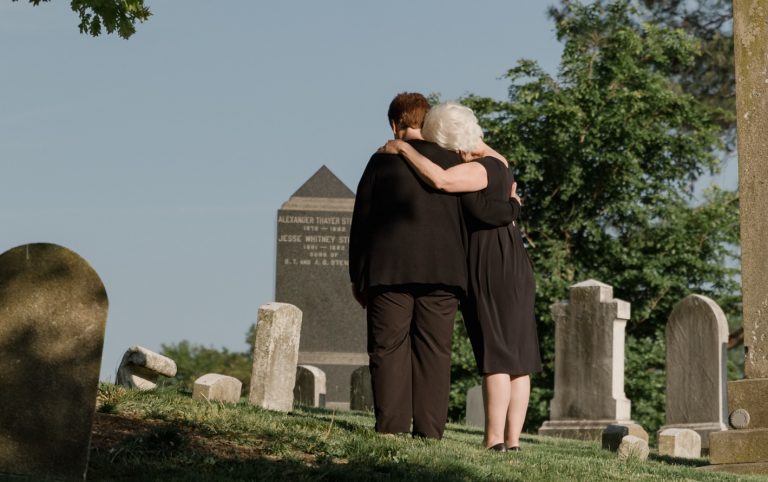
(312, 273)
(310, 386)
(475, 408)
(53, 311)
(141, 367)
(697, 341)
(735, 448)
(215, 387)
(275, 356)
(680, 442)
(613, 434)
(589, 363)
(632, 447)
(361, 390)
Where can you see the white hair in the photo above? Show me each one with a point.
(452, 126)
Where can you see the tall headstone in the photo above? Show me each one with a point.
(275, 356)
(589, 363)
(746, 449)
(312, 273)
(53, 311)
(697, 341)
(310, 386)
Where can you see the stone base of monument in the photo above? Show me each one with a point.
(745, 449)
(703, 429)
(739, 446)
(590, 430)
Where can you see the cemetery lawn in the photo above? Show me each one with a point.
(165, 435)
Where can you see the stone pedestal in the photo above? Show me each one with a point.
(731, 450)
(589, 363)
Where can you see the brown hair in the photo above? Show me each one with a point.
(408, 109)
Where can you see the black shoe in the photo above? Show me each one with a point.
(499, 447)
(514, 449)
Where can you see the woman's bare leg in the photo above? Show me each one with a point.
(496, 393)
(520, 391)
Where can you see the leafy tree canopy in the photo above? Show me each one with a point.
(118, 16)
(606, 155)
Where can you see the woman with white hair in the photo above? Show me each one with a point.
(499, 309)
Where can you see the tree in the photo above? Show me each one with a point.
(606, 154)
(710, 77)
(118, 16)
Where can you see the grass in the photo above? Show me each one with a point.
(164, 435)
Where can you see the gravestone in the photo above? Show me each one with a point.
(141, 367)
(746, 450)
(215, 387)
(475, 408)
(589, 363)
(697, 342)
(632, 447)
(361, 390)
(53, 311)
(275, 356)
(313, 274)
(614, 434)
(680, 442)
(310, 386)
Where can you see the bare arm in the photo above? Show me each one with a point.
(466, 177)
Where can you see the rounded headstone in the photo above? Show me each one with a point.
(633, 447)
(53, 312)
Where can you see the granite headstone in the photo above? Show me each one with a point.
(53, 311)
(589, 363)
(697, 341)
(312, 273)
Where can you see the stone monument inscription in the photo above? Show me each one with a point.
(312, 273)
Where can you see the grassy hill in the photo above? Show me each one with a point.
(167, 436)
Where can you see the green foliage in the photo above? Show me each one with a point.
(463, 371)
(645, 383)
(194, 361)
(118, 16)
(606, 155)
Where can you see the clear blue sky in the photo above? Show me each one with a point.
(163, 159)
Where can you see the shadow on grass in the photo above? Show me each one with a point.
(667, 459)
(193, 467)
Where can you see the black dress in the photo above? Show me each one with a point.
(499, 310)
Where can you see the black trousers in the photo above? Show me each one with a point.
(409, 346)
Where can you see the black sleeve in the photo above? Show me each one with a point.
(490, 211)
(358, 232)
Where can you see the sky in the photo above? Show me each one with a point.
(163, 159)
